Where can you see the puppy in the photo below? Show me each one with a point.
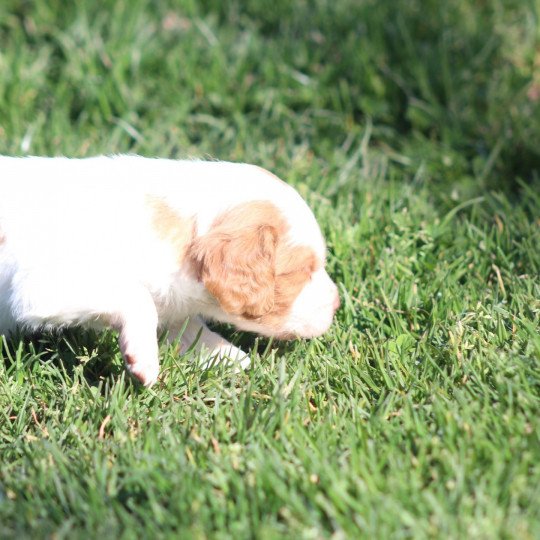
(143, 245)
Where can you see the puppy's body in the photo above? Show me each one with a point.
(140, 244)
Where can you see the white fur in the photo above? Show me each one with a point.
(77, 246)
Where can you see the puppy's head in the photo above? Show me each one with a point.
(264, 265)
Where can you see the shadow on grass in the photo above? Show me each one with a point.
(97, 352)
(248, 341)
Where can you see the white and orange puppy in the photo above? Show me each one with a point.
(142, 245)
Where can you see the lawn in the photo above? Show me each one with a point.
(412, 127)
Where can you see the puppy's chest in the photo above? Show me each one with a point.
(179, 297)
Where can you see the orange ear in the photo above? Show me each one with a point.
(236, 260)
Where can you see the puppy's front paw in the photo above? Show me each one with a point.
(235, 355)
(145, 372)
(226, 353)
(211, 348)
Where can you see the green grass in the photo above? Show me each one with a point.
(413, 129)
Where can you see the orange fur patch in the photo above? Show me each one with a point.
(171, 227)
(236, 258)
(246, 262)
(294, 266)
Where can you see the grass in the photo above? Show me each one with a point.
(412, 128)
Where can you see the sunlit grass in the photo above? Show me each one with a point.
(412, 130)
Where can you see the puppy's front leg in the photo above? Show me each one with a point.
(138, 338)
(55, 301)
(211, 347)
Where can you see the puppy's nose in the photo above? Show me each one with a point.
(337, 303)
